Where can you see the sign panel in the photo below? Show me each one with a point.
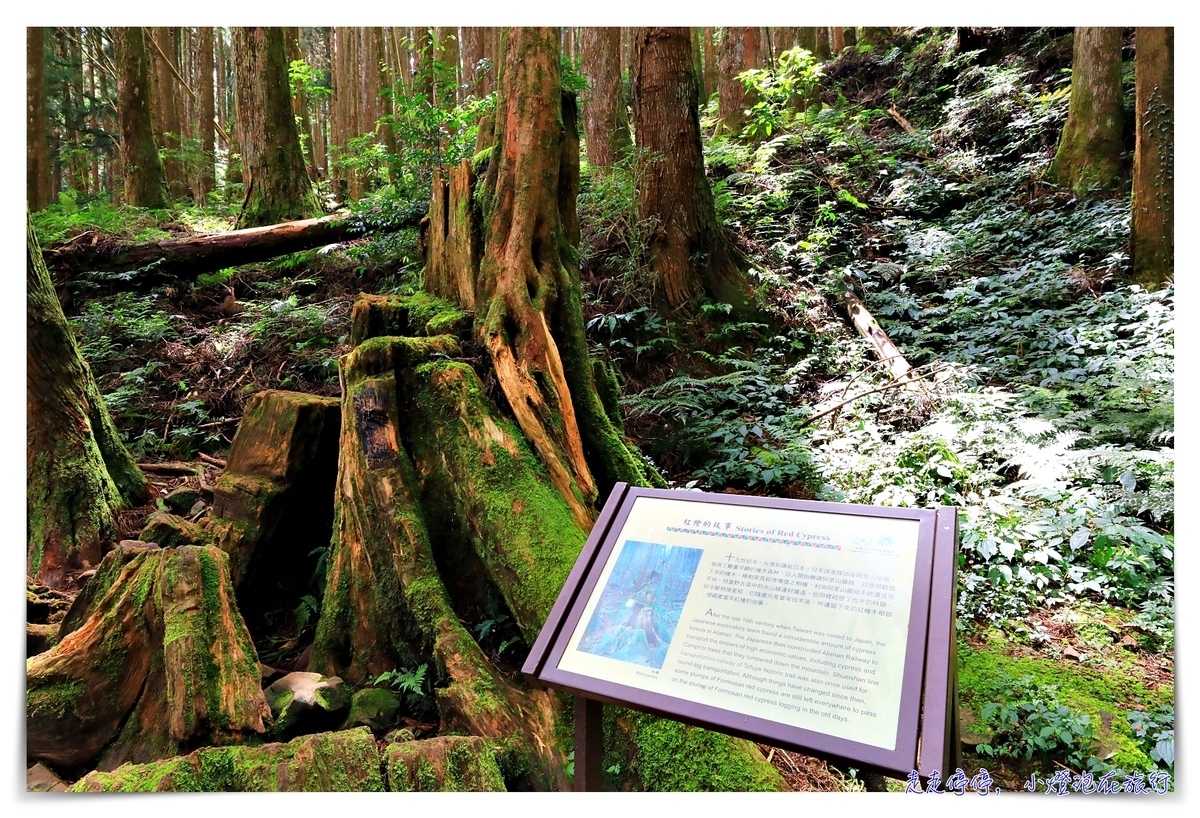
(798, 623)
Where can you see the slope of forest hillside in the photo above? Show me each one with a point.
(916, 177)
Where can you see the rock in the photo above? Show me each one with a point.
(307, 703)
(39, 638)
(169, 530)
(443, 764)
(270, 674)
(373, 707)
(1070, 653)
(39, 779)
(137, 544)
(347, 761)
(400, 735)
(197, 508)
(1128, 641)
(182, 499)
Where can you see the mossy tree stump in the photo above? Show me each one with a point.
(157, 661)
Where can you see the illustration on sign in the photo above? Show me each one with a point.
(640, 606)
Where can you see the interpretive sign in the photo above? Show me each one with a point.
(821, 627)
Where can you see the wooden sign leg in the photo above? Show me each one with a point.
(589, 745)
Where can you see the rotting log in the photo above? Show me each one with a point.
(160, 660)
(443, 764)
(886, 351)
(158, 262)
(385, 604)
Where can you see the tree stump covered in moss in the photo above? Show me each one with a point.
(156, 659)
(273, 504)
(446, 764)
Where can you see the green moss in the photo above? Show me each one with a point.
(443, 764)
(59, 699)
(668, 756)
(1104, 697)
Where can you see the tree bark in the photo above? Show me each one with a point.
(159, 660)
(144, 182)
(739, 52)
(190, 257)
(689, 251)
(1152, 234)
(206, 181)
(605, 118)
(1089, 154)
(447, 52)
(165, 107)
(277, 185)
(37, 159)
(712, 68)
(78, 471)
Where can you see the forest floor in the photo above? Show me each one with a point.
(1049, 423)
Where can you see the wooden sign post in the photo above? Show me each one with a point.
(820, 627)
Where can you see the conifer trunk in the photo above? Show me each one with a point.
(37, 160)
(1089, 154)
(276, 181)
(688, 248)
(144, 181)
(206, 112)
(739, 52)
(1152, 235)
(605, 117)
(78, 471)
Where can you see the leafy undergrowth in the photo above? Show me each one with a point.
(1047, 414)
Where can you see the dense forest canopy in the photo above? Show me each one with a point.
(339, 337)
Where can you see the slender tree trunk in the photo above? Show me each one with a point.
(1089, 154)
(472, 53)
(1152, 249)
(37, 160)
(144, 182)
(165, 107)
(205, 114)
(300, 104)
(78, 471)
(821, 43)
(785, 39)
(605, 117)
(688, 248)
(739, 52)
(447, 54)
(712, 60)
(423, 47)
(837, 40)
(277, 185)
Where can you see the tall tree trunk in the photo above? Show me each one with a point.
(472, 53)
(688, 248)
(423, 49)
(784, 39)
(37, 159)
(78, 471)
(277, 185)
(165, 107)
(1152, 235)
(144, 182)
(449, 92)
(837, 40)
(1089, 154)
(739, 52)
(300, 104)
(205, 114)
(605, 117)
(874, 36)
(821, 43)
(712, 60)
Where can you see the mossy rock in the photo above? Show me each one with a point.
(443, 764)
(374, 708)
(171, 530)
(182, 499)
(346, 761)
(307, 703)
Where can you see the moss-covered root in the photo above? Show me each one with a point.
(348, 761)
(657, 755)
(445, 764)
(77, 471)
(385, 604)
(161, 655)
(483, 485)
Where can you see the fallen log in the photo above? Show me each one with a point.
(163, 261)
(887, 352)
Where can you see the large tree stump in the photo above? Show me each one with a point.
(160, 661)
(273, 504)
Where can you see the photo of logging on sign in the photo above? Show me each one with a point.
(822, 627)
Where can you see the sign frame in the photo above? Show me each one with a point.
(927, 721)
